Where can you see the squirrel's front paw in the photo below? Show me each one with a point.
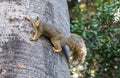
(56, 50)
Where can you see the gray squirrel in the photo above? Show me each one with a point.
(59, 41)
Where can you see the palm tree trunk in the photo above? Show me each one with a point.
(22, 58)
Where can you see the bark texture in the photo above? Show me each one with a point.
(21, 58)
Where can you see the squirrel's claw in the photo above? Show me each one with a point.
(33, 39)
(56, 50)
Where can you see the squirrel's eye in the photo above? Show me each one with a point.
(32, 24)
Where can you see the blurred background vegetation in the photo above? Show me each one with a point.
(98, 22)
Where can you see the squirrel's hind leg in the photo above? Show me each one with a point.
(56, 45)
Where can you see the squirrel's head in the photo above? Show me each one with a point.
(33, 22)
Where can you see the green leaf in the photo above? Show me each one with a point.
(84, 34)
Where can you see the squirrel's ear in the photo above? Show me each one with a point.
(28, 18)
(37, 18)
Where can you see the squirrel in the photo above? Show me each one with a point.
(58, 39)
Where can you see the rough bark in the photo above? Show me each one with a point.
(21, 58)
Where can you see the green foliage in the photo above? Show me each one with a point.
(102, 36)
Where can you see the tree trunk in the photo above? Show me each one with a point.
(22, 58)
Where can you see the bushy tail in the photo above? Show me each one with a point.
(78, 48)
